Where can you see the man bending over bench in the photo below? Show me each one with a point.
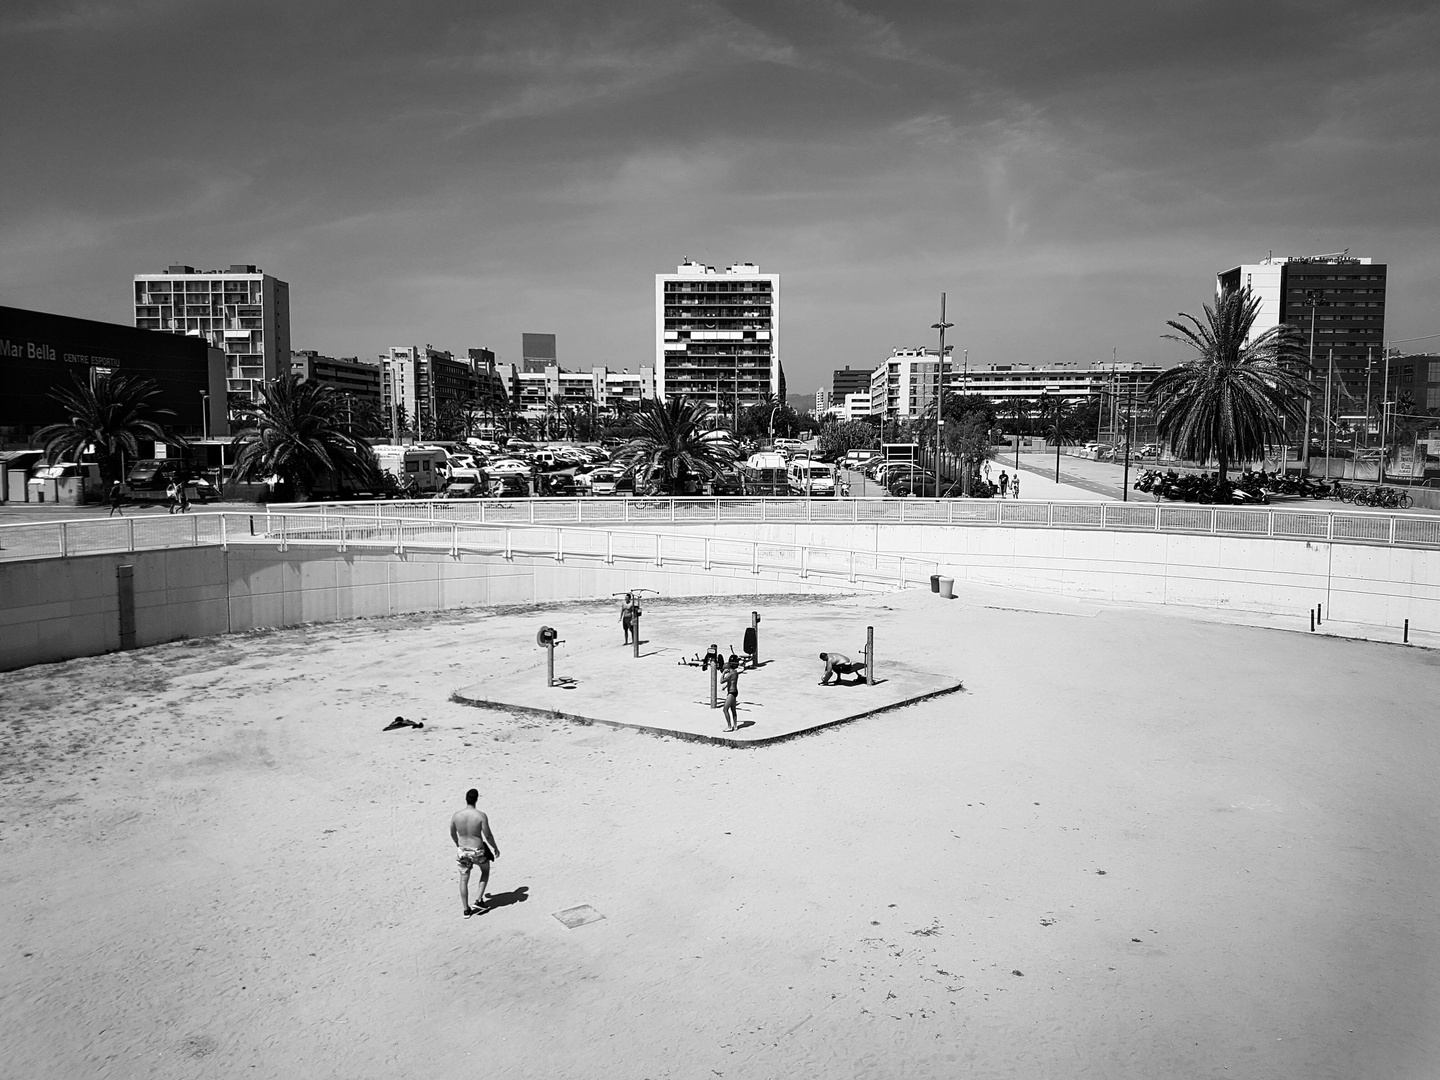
(839, 665)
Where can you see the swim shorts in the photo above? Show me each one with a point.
(468, 857)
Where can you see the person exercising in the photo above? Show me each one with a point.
(839, 665)
(475, 847)
(730, 679)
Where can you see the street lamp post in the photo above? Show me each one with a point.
(1314, 299)
(942, 326)
(1129, 438)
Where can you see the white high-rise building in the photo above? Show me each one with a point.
(717, 335)
(243, 310)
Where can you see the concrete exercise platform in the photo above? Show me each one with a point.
(655, 693)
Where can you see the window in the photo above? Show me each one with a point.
(1434, 371)
(1432, 398)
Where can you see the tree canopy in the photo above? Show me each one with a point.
(671, 443)
(297, 432)
(112, 413)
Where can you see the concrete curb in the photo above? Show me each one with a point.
(690, 736)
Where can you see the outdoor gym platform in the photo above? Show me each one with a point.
(655, 693)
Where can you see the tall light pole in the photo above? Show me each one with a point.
(1314, 298)
(942, 326)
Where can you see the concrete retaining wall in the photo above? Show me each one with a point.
(1379, 585)
(58, 609)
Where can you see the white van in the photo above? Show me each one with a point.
(812, 478)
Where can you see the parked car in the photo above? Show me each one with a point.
(462, 489)
(507, 486)
(562, 484)
(604, 482)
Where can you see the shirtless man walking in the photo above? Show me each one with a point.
(475, 847)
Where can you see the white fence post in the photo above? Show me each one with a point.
(658, 538)
(852, 566)
(754, 557)
(707, 553)
(131, 538)
(224, 532)
(609, 547)
(64, 540)
(454, 539)
(559, 545)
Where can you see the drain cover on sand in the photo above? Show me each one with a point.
(578, 916)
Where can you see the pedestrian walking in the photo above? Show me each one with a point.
(1004, 483)
(117, 499)
(1015, 486)
(172, 497)
(475, 848)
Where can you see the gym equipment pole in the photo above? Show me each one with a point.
(869, 656)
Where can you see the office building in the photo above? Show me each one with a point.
(349, 376)
(537, 394)
(243, 311)
(537, 352)
(1349, 323)
(41, 353)
(717, 335)
(849, 381)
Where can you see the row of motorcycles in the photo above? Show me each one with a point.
(1256, 488)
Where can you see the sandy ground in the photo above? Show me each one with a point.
(1139, 845)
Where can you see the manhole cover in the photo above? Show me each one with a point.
(578, 916)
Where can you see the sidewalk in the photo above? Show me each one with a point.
(1034, 487)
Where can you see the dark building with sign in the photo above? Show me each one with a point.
(41, 353)
(1349, 310)
(348, 376)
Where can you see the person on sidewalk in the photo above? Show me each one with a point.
(1015, 486)
(475, 847)
(1004, 483)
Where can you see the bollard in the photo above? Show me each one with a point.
(1312, 620)
(1319, 612)
(1407, 631)
(869, 656)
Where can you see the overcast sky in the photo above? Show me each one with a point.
(1072, 174)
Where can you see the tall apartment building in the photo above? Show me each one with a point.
(717, 335)
(535, 394)
(243, 311)
(903, 386)
(1351, 321)
(426, 382)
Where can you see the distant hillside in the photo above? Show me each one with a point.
(801, 403)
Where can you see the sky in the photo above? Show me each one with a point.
(1071, 174)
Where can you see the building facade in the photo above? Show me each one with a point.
(717, 335)
(355, 378)
(1003, 382)
(419, 387)
(242, 311)
(42, 353)
(849, 381)
(905, 383)
(537, 352)
(537, 394)
(1348, 323)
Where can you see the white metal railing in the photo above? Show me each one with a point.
(517, 539)
(1281, 522)
(83, 536)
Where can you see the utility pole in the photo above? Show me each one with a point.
(1314, 298)
(1384, 415)
(942, 326)
(1129, 437)
(1369, 368)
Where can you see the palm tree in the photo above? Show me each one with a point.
(112, 413)
(297, 432)
(672, 441)
(1234, 399)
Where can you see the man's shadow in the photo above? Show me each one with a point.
(517, 895)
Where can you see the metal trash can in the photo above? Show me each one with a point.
(947, 588)
(934, 582)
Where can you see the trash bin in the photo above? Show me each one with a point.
(934, 582)
(947, 588)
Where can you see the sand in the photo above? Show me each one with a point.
(1138, 845)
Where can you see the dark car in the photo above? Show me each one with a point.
(727, 484)
(150, 478)
(561, 484)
